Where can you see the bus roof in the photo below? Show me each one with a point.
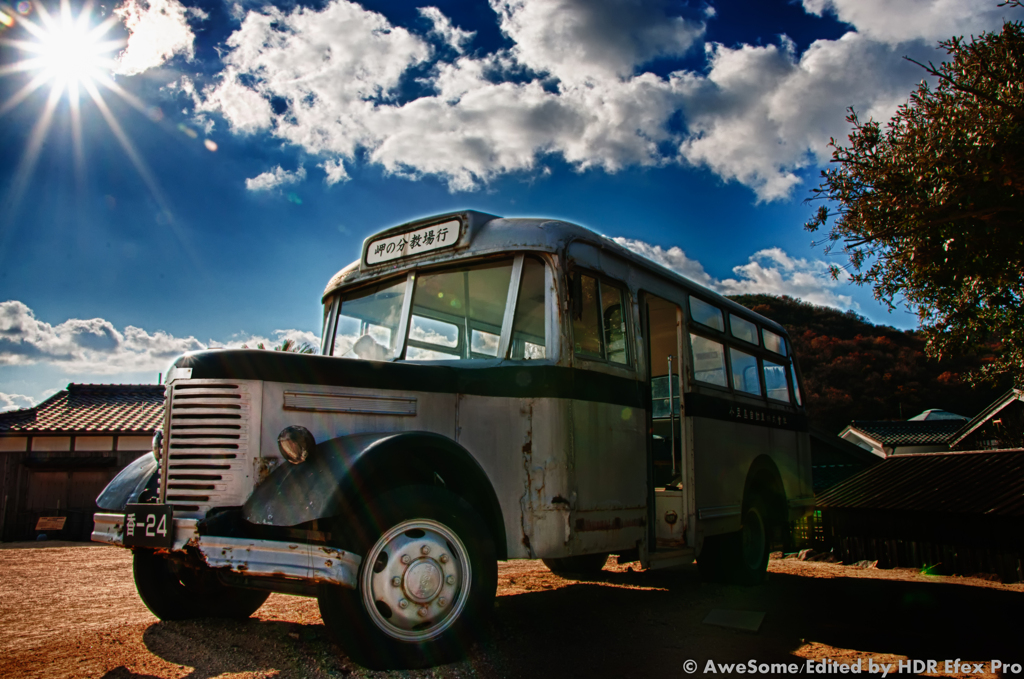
(482, 234)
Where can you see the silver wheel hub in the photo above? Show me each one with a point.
(416, 580)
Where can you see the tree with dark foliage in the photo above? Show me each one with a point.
(929, 209)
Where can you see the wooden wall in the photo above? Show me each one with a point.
(58, 476)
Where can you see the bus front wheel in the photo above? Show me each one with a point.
(426, 583)
(175, 592)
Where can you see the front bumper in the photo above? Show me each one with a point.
(259, 558)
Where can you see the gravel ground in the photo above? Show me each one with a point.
(70, 610)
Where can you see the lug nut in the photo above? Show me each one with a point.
(450, 579)
(406, 559)
(442, 602)
(424, 550)
(403, 603)
(444, 558)
(424, 612)
(396, 581)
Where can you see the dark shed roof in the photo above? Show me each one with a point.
(91, 409)
(987, 483)
(987, 414)
(908, 432)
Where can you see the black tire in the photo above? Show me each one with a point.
(175, 592)
(581, 563)
(739, 558)
(420, 544)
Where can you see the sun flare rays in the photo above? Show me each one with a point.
(74, 55)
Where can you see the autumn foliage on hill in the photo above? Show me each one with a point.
(854, 370)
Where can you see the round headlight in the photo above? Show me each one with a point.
(295, 443)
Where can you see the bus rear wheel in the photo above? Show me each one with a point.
(742, 557)
(425, 586)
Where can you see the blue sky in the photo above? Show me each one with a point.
(191, 173)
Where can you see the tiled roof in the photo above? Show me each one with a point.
(92, 408)
(987, 483)
(908, 433)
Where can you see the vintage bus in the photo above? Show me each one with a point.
(486, 389)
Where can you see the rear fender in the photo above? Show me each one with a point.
(130, 484)
(341, 475)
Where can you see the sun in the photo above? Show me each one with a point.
(72, 54)
(67, 52)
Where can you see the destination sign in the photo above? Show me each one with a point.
(409, 243)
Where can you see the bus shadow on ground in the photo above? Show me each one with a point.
(598, 627)
(621, 624)
(213, 647)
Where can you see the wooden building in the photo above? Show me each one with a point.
(952, 512)
(56, 457)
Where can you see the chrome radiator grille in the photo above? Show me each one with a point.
(209, 446)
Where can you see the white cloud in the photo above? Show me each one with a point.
(335, 171)
(455, 37)
(771, 271)
(79, 345)
(274, 178)
(930, 20)
(249, 341)
(15, 402)
(571, 84)
(761, 114)
(580, 40)
(674, 258)
(158, 30)
(96, 346)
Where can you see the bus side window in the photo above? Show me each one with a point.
(773, 342)
(614, 325)
(743, 329)
(708, 360)
(598, 325)
(586, 327)
(706, 314)
(528, 326)
(744, 372)
(775, 381)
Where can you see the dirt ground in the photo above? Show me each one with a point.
(70, 610)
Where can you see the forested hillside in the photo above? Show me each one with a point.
(854, 370)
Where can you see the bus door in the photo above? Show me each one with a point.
(670, 474)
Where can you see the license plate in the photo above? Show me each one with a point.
(148, 525)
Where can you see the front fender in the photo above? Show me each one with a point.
(129, 484)
(342, 475)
